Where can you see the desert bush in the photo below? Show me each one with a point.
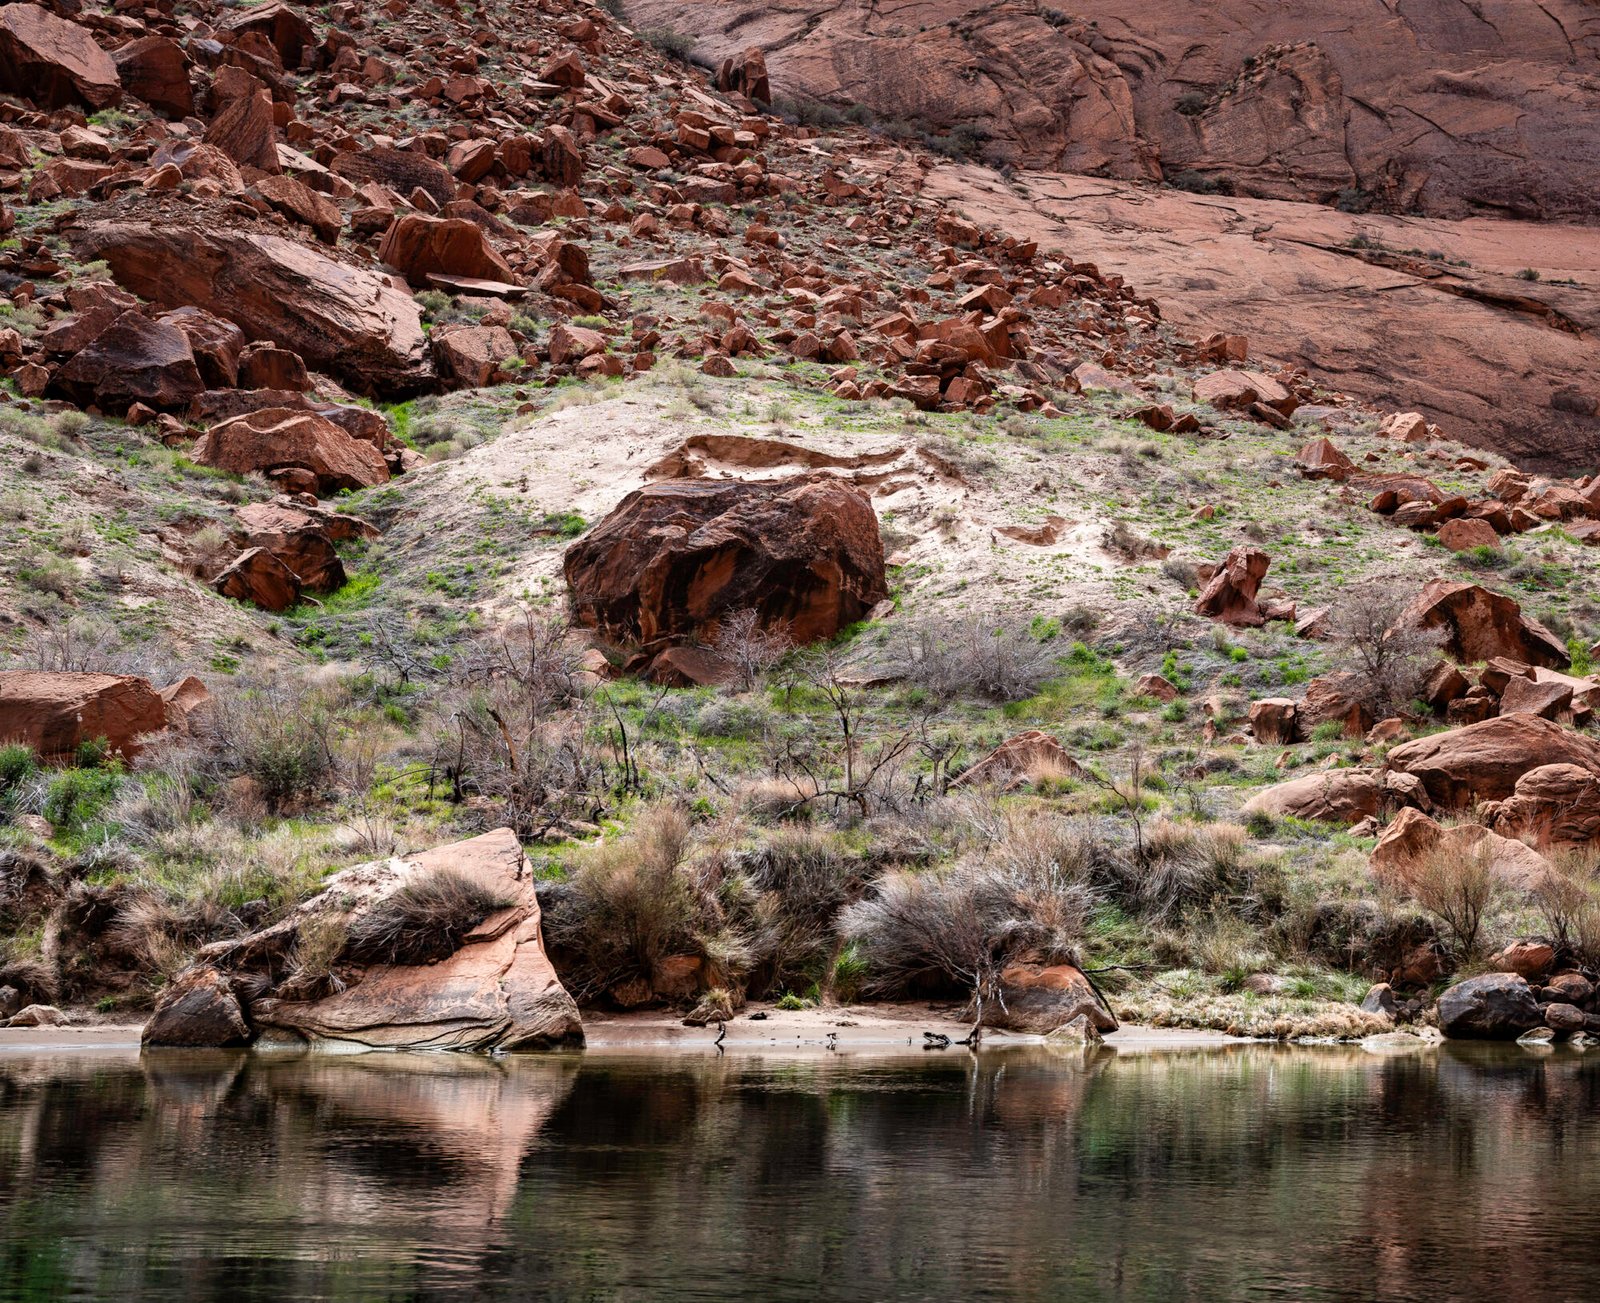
(1175, 868)
(424, 919)
(981, 656)
(32, 978)
(629, 904)
(1568, 900)
(278, 735)
(17, 764)
(749, 648)
(968, 923)
(320, 943)
(786, 901)
(1390, 660)
(1458, 887)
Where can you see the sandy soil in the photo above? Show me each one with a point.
(874, 1028)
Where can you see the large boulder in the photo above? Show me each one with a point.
(674, 559)
(53, 62)
(1331, 796)
(156, 70)
(133, 360)
(1021, 758)
(1496, 1006)
(1413, 836)
(259, 577)
(1039, 999)
(416, 244)
(494, 990)
(198, 1009)
(1553, 805)
(1230, 593)
(1485, 761)
(299, 539)
(1480, 625)
(57, 712)
(346, 320)
(283, 438)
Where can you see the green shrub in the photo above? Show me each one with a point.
(17, 764)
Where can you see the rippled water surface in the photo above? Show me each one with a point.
(1244, 1172)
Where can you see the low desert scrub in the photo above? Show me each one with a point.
(629, 904)
(1458, 888)
(751, 649)
(424, 919)
(1029, 899)
(982, 656)
(320, 943)
(786, 898)
(1175, 868)
(1275, 1017)
(280, 736)
(1568, 900)
(1390, 660)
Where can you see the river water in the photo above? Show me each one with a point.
(1241, 1172)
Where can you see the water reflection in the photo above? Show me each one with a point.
(1252, 1171)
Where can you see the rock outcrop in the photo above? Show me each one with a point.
(674, 559)
(53, 62)
(56, 713)
(1422, 108)
(1230, 594)
(1486, 761)
(495, 990)
(278, 439)
(1479, 625)
(344, 319)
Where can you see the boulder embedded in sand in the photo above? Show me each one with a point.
(494, 990)
(674, 559)
(1485, 761)
(56, 713)
(347, 320)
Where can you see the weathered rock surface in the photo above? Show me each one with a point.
(347, 320)
(1038, 1000)
(55, 713)
(54, 62)
(278, 438)
(1333, 796)
(1485, 761)
(674, 559)
(1230, 595)
(1420, 107)
(1479, 625)
(416, 244)
(1496, 1006)
(1413, 836)
(133, 360)
(1553, 805)
(1022, 758)
(496, 991)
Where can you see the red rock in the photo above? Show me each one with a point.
(300, 540)
(1322, 460)
(343, 319)
(416, 244)
(1529, 960)
(690, 667)
(1551, 805)
(1154, 685)
(1274, 721)
(574, 343)
(674, 558)
(278, 437)
(216, 344)
(156, 70)
(1483, 762)
(1230, 594)
(746, 75)
(1462, 535)
(53, 62)
(281, 26)
(1479, 625)
(56, 713)
(1241, 389)
(134, 359)
(198, 1009)
(471, 356)
(266, 366)
(243, 127)
(1022, 758)
(1412, 835)
(259, 577)
(1038, 1000)
(300, 203)
(1339, 696)
(1344, 796)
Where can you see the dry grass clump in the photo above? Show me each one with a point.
(423, 920)
(1273, 1017)
(32, 979)
(786, 898)
(1175, 868)
(1568, 900)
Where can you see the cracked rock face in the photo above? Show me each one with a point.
(1436, 107)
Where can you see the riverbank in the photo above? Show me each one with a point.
(845, 1027)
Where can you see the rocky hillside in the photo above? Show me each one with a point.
(1436, 107)
(811, 572)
